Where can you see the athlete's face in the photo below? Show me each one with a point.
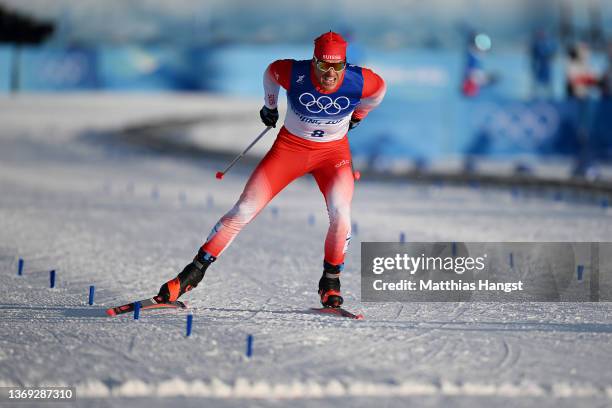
(328, 73)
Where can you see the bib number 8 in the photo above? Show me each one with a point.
(317, 133)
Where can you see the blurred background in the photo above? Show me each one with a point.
(509, 90)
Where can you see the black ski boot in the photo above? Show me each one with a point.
(329, 285)
(188, 279)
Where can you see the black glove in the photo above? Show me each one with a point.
(269, 116)
(354, 123)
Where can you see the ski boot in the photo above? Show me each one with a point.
(329, 285)
(188, 279)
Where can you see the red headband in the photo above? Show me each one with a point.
(330, 47)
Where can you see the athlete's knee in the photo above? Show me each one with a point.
(339, 214)
(242, 212)
(234, 220)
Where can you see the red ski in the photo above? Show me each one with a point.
(145, 304)
(338, 311)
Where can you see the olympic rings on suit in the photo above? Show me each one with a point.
(323, 103)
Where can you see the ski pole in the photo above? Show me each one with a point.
(220, 174)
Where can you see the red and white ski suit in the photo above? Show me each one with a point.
(313, 140)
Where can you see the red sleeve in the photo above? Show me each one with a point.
(281, 72)
(373, 84)
(372, 93)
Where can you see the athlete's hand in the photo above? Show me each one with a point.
(354, 123)
(269, 116)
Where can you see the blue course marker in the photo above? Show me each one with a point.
(136, 310)
(274, 212)
(189, 324)
(511, 260)
(311, 219)
(92, 292)
(52, 278)
(20, 267)
(579, 272)
(454, 249)
(515, 192)
(249, 346)
(402, 238)
(355, 229)
(604, 203)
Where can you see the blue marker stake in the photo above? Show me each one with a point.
(189, 324)
(511, 260)
(311, 219)
(20, 267)
(604, 203)
(402, 237)
(275, 212)
(136, 310)
(52, 278)
(454, 249)
(92, 291)
(355, 229)
(249, 346)
(579, 272)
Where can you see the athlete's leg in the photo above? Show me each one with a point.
(277, 169)
(334, 177)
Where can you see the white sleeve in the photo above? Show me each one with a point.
(271, 88)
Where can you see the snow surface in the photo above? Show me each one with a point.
(126, 220)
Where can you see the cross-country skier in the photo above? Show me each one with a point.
(326, 97)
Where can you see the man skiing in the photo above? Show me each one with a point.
(326, 97)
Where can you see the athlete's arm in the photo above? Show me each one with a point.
(373, 92)
(277, 74)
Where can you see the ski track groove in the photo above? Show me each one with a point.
(435, 351)
(132, 343)
(364, 348)
(399, 312)
(108, 351)
(507, 359)
(510, 358)
(461, 309)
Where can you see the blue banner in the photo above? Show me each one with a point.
(5, 69)
(425, 115)
(55, 69)
(152, 68)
